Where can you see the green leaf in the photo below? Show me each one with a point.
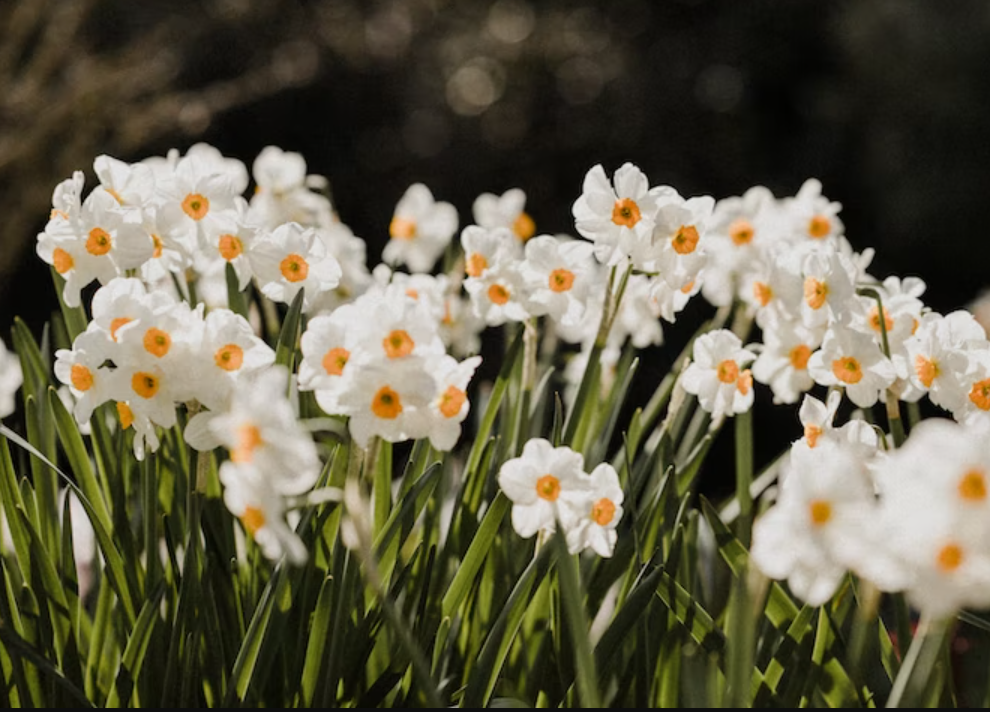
(132, 660)
(481, 544)
(577, 623)
(235, 297)
(285, 349)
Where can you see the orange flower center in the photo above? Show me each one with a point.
(248, 440)
(229, 357)
(799, 356)
(603, 511)
(402, 229)
(386, 403)
(626, 212)
(253, 520)
(973, 486)
(230, 247)
(81, 377)
(819, 226)
(99, 242)
(412, 293)
(727, 371)
(196, 206)
(745, 382)
(475, 264)
(741, 231)
(451, 401)
(157, 342)
(524, 227)
(398, 344)
(335, 359)
(811, 434)
(762, 293)
(847, 370)
(561, 280)
(815, 293)
(116, 324)
(820, 512)
(874, 319)
(498, 294)
(294, 268)
(145, 384)
(685, 240)
(125, 414)
(927, 370)
(949, 558)
(158, 245)
(980, 394)
(62, 260)
(548, 488)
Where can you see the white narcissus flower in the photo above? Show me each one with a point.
(783, 361)
(812, 216)
(228, 353)
(852, 360)
(812, 535)
(559, 275)
(542, 483)
(717, 374)
(124, 300)
(232, 241)
(938, 356)
(619, 220)
(327, 346)
(11, 378)
(829, 290)
(816, 417)
(393, 326)
(676, 250)
(80, 369)
(595, 528)
(485, 249)
(450, 406)
(390, 400)
(293, 258)
(492, 211)
(131, 184)
(420, 230)
(500, 295)
(284, 191)
(145, 433)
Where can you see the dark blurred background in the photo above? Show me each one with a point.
(886, 102)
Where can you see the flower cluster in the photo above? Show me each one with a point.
(548, 484)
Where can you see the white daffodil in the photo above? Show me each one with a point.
(460, 327)
(829, 291)
(543, 484)
(816, 417)
(420, 230)
(352, 254)
(852, 360)
(812, 216)
(284, 192)
(124, 300)
(131, 184)
(492, 211)
(450, 406)
(229, 352)
(559, 275)
(486, 249)
(232, 240)
(395, 326)
(717, 374)
(783, 361)
(291, 258)
(82, 368)
(327, 345)
(145, 437)
(595, 527)
(811, 536)
(937, 354)
(617, 216)
(500, 295)
(676, 252)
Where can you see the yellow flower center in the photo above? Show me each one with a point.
(229, 357)
(874, 320)
(294, 268)
(762, 293)
(798, 356)
(116, 324)
(561, 279)
(451, 401)
(815, 293)
(745, 382)
(99, 242)
(253, 520)
(125, 414)
(196, 206)
(949, 558)
(230, 247)
(727, 371)
(402, 229)
(626, 212)
(847, 370)
(335, 359)
(548, 488)
(62, 261)
(475, 264)
(386, 403)
(820, 511)
(973, 486)
(524, 227)
(145, 384)
(248, 440)
(819, 226)
(741, 231)
(81, 377)
(980, 394)
(498, 294)
(603, 511)
(927, 370)
(685, 240)
(811, 434)
(157, 342)
(158, 245)
(398, 343)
